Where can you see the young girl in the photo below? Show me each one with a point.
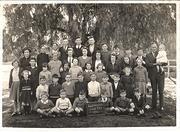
(55, 65)
(84, 58)
(87, 72)
(128, 82)
(14, 84)
(125, 63)
(161, 57)
(26, 92)
(45, 72)
(75, 70)
(141, 77)
(63, 72)
(100, 73)
(97, 61)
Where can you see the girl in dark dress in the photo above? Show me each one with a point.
(42, 58)
(63, 72)
(26, 92)
(128, 82)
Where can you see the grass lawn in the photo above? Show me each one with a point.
(34, 121)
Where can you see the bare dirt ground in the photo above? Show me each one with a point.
(168, 119)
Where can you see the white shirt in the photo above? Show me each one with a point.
(40, 89)
(62, 104)
(115, 84)
(91, 48)
(78, 46)
(94, 88)
(15, 74)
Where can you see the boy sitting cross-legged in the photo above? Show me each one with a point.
(44, 106)
(79, 104)
(123, 105)
(63, 105)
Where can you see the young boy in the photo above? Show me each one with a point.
(80, 86)
(63, 105)
(54, 89)
(87, 72)
(79, 104)
(68, 86)
(108, 104)
(105, 54)
(94, 89)
(44, 106)
(77, 48)
(41, 88)
(123, 105)
(55, 65)
(106, 87)
(116, 86)
(45, 72)
(139, 103)
(34, 78)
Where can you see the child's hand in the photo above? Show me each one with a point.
(132, 105)
(147, 107)
(131, 110)
(147, 85)
(61, 69)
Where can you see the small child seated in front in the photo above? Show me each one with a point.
(44, 106)
(123, 105)
(94, 90)
(79, 104)
(108, 104)
(161, 57)
(63, 105)
(139, 103)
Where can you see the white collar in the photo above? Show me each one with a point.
(44, 102)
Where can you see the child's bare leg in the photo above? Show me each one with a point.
(69, 111)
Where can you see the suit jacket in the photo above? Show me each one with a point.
(113, 68)
(139, 104)
(93, 54)
(77, 52)
(150, 60)
(63, 54)
(116, 92)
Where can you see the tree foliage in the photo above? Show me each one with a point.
(128, 25)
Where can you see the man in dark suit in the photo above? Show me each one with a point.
(63, 50)
(77, 48)
(156, 77)
(92, 48)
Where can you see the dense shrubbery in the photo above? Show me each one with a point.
(128, 25)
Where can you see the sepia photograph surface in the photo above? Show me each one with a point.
(89, 65)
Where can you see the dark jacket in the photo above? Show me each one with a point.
(24, 63)
(116, 92)
(54, 90)
(80, 87)
(93, 54)
(139, 104)
(77, 52)
(113, 68)
(42, 58)
(63, 54)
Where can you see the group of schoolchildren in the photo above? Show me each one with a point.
(63, 80)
